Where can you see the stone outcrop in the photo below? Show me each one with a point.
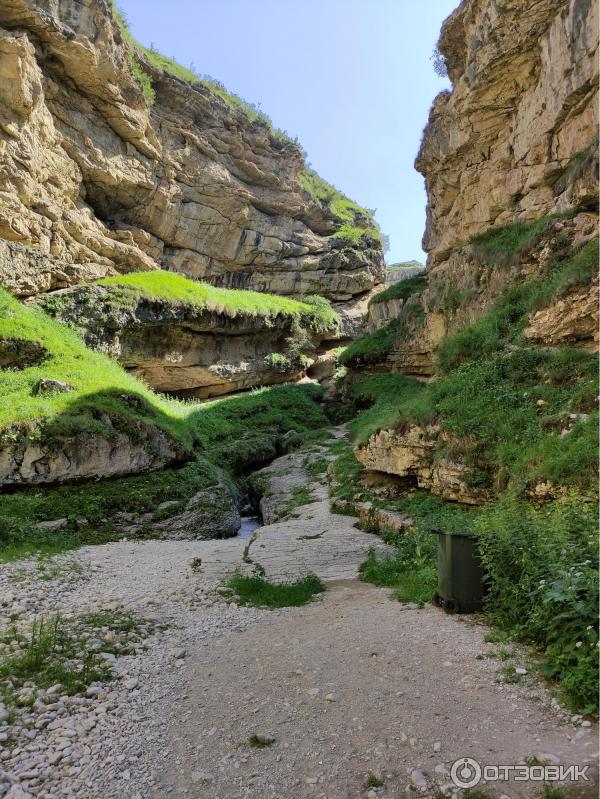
(180, 348)
(515, 138)
(85, 454)
(465, 286)
(411, 452)
(95, 179)
(210, 513)
(382, 313)
(571, 320)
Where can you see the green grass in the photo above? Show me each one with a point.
(330, 198)
(100, 384)
(316, 312)
(234, 433)
(382, 396)
(260, 592)
(506, 320)
(372, 781)
(350, 236)
(44, 658)
(357, 228)
(401, 290)
(500, 245)
(519, 396)
(374, 348)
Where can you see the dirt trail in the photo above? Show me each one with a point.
(351, 685)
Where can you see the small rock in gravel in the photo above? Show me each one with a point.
(202, 776)
(547, 759)
(437, 746)
(313, 691)
(332, 697)
(131, 683)
(586, 723)
(520, 670)
(418, 778)
(16, 792)
(177, 653)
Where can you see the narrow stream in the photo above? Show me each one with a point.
(250, 521)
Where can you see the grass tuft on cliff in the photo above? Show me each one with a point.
(357, 228)
(374, 348)
(503, 325)
(316, 312)
(138, 53)
(499, 245)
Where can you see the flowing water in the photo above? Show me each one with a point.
(249, 525)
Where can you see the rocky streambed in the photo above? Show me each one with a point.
(346, 707)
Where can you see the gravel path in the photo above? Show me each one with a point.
(345, 692)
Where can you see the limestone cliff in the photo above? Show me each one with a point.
(194, 347)
(111, 164)
(515, 137)
(510, 163)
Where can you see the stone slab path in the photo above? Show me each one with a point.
(349, 691)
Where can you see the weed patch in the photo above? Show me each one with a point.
(260, 592)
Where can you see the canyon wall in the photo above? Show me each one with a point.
(515, 138)
(111, 164)
(510, 161)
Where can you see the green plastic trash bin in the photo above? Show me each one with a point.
(460, 573)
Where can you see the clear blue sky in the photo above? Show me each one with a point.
(351, 78)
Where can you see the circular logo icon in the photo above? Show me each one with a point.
(465, 772)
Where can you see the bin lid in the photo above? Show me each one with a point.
(461, 533)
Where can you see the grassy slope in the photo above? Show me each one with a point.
(520, 396)
(97, 380)
(231, 433)
(401, 290)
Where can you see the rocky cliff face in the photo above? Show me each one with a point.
(510, 163)
(96, 179)
(514, 139)
(182, 348)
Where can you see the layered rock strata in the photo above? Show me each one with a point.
(98, 178)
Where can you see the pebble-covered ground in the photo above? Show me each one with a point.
(189, 695)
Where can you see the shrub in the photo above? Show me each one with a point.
(542, 586)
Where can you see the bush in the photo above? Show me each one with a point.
(542, 586)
